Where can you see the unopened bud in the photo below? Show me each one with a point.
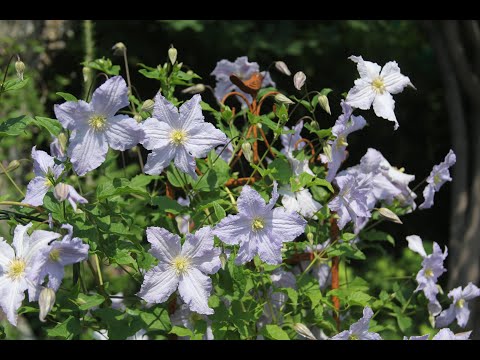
(282, 67)
(138, 118)
(86, 71)
(14, 164)
(119, 48)
(194, 89)
(299, 80)
(147, 105)
(223, 260)
(302, 330)
(46, 300)
(19, 67)
(323, 101)
(310, 237)
(327, 151)
(189, 72)
(389, 215)
(282, 99)
(61, 191)
(247, 151)
(172, 54)
(314, 124)
(62, 140)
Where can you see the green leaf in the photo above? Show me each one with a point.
(181, 331)
(14, 84)
(119, 186)
(358, 298)
(103, 65)
(156, 318)
(219, 211)
(67, 96)
(404, 322)
(86, 302)
(168, 205)
(14, 126)
(53, 126)
(274, 332)
(376, 235)
(346, 250)
(67, 329)
(282, 168)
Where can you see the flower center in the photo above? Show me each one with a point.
(16, 268)
(460, 303)
(428, 272)
(54, 255)
(258, 224)
(178, 137)
(436, 179)
(48, 182)
(353, 337)
(181, 264)
(341, 141)
(378, 85)
(97, 122)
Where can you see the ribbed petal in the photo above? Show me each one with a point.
(165, 246)
(367, 69)
(201, 252)
(286, 226)
(393, 80)
(158, 160)
(36, 190)
(110, 97)
(6, 255)
(233, 228)
(158, 284)
(73, 114)
(383, 105)
(165, 111)
(268, 247)
(191, 113)
(12, 293)
(202, 138)
(42, 162)
(195, 288)
(87, 150)
(185, 162)
(157, 134)
(123, 132)
(415, 244)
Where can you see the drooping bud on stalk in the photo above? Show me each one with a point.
(19, 67)
(194, 89)
(247, 151)
(86, 71)
(327, 150)
(282, 67)
(46, 300)
(61, 191)
(323, 101)
(302, 330)
(314, 124)
(14, 164)
(119, 48)
(299, 80)
(310, 237)
(389, 215)
(172, 54)
(282, 99)
(147, 105)
(223, 260)
(138, 118)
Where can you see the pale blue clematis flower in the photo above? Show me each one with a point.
(95, 126)
(438, 176)
(359, 330)
(351, 201)
(259, 228)
(447, 334)
(56, 255)
(46, 174)
(183, 267)
(459, 307)
(344, 126)
(375, 87)
(183, 221)
(186, 318)
(17, 264)
(289, 140)
(241, 68)
(180, 135)
(419, 337)
(57, 151)
(432, 268)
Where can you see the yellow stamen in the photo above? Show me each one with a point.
(55, 255)
(460, 303)
(16, 268)
(353, 337)
(97, 122)
(428, 272)
(181, 264)
(48, 182)
(341, 141)
(378, 85)
(436, 179)
(178, 137)
(258, 224)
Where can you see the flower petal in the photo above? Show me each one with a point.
(12, 293)
(6, 255)
(462, 315)
(75, 198)
(202, 138)
(158, 160)
(446, 317)
(191, 113)
(361, 95)
(165, 245)
(344, 335)
(158, 284)
(185, 162)
(383, 105)
(157, 134)
(110, 97)
(87, 150)
(362, 325)
(73, 114)
(415, 244)
(393, 80)
(268, 247)
(248, 249)
(36, 242)
(195, 288)
(123, 132)
(428, 195)
(367, 69)
(21, 239)
(274, 197)
(165, 111)
(250, 203)
(36, 190)
(42, 162)
(308, 206)
(470, 292)
(232, 229)
(286, 226)
(199, 248)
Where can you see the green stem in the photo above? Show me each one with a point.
(11, 180)
(89, 51)
(99, 271)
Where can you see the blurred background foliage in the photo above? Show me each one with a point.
(53, 52)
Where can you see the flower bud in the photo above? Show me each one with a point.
(61, 191)
(282, 67)
(389, 215)
(314, 124)
(119, 48)
(19, 67)
(223, 260)
(172, 54)
(310, 237)
(138, 118)
(247, 151)
(323, 101)
(194, 89)
(299, 80)
(46, 300)
(14, 164)
(327, 151)
(302, 330)
(282, 99)
(86, 71)
(147, 105)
